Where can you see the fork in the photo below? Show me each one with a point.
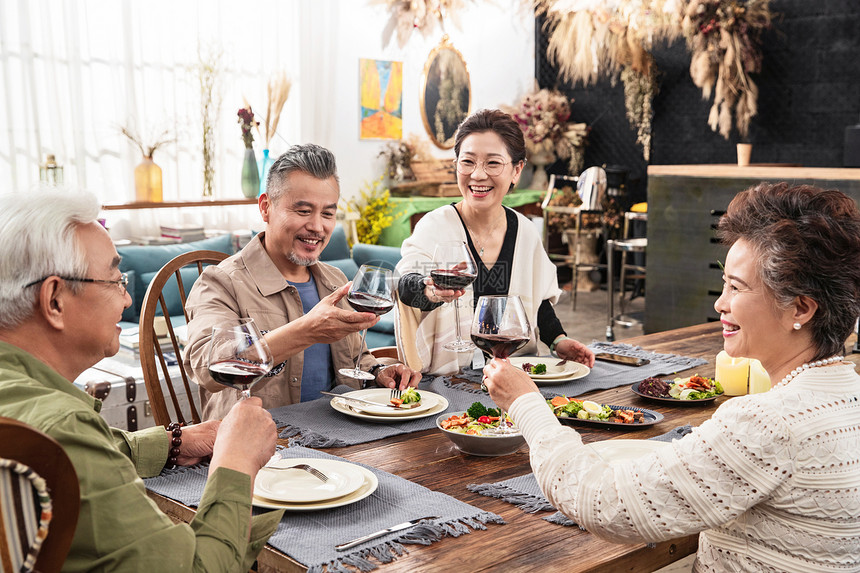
(395, 393)
(310, 469)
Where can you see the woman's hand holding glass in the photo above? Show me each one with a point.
(506, 382)
(454, 269)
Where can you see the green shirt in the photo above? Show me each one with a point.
(119, 528)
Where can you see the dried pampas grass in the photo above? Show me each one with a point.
(277, 92)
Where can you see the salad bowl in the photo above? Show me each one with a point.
(480, 445)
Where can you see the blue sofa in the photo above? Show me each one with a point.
(142, 262)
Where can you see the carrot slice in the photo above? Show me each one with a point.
(559, 401)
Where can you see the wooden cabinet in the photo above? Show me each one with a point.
(684, 205)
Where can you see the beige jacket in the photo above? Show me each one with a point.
(249, 284)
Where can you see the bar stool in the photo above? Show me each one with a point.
(626, 245)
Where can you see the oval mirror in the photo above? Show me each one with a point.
(446, 95)
(592, 187)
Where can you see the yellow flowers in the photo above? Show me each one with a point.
(374, 210)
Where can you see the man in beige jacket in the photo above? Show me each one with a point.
(296, 300)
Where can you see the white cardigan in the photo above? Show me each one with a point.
(772, 480)
(421, 335)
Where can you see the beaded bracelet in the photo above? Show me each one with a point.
(175, 429)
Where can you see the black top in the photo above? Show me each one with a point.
(494, 281)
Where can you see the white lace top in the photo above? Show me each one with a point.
(772, 481)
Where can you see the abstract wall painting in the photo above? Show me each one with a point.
(381, 89)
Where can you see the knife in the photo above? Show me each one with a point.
(360, 400)
(381, 532)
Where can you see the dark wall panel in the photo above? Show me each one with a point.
(809, 92)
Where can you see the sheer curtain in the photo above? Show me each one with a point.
(73, 73)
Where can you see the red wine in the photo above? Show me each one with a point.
(363, 302)
(454, 280)
(498, 345)
(236, 374)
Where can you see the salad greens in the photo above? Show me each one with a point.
(410, 396)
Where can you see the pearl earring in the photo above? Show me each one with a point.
(796, 326)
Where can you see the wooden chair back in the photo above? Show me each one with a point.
(385, 352)
(152, 360)
(46, 457)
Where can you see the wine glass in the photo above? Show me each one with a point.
(371, 291)
(454, 269)
(239, 355)
(500, 328)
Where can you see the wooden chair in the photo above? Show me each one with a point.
(384, 352)
(151, 353)
(42, 454)
(576, 259)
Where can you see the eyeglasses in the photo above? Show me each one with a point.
(492, 167)
(121, 282)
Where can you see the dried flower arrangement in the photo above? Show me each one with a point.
(590, 40)
(149, 144)
(639, 91)
(724, 37)
(208, 70)
(398, 160)
(375, 211)
(543, 117)
(277, 91)
(421, 15)
(247, 123)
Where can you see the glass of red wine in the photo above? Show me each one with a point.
(454, 269)
(239, 355)
(500, 328)
(371, 291)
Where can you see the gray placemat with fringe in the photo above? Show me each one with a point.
(523, 491)
(309, 537)
(316, 424)
(603, 375)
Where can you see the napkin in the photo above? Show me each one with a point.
(523, 491)
(310, 537)
(603, 375)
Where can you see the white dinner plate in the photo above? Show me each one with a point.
(356, 411)
(299, 486)
(383, 396)
(369, 485)
(567, 372)
(615, 451)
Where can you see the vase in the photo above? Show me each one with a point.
(265, 165)
(744, 152)
(147, 182)
(250, 175)
(540, 161)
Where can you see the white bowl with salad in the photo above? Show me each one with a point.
(470, 432)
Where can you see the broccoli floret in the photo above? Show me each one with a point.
(410, 396)
(494, 412)
(539, 369)
(476, 410)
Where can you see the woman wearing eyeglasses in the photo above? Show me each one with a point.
(490, 156)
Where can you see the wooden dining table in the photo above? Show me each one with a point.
(526, 542)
